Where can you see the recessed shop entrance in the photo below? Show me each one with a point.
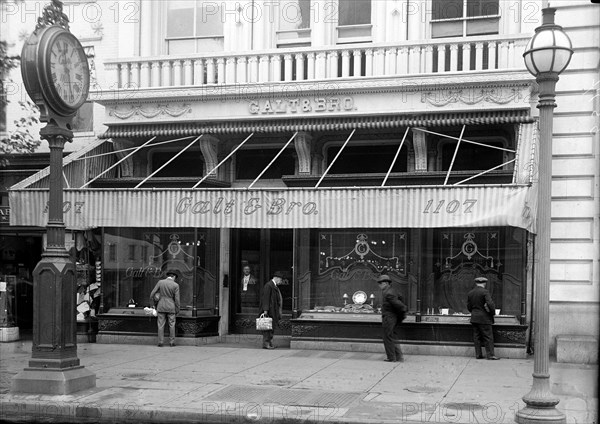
(260, 252)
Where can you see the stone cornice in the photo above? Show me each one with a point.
(442, 82)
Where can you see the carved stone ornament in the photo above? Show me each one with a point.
(300, 330)
(515, 336)
(53, 15)
(109, 324)
(470, 96)
(149, 112)
(192, 327)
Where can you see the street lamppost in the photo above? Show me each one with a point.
(546, 56)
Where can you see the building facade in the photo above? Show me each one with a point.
(334, 141)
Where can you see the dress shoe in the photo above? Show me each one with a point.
(268, 347)
(389, 360)
(479, 357)
(493, 358)
(400, 359)
(160, 345)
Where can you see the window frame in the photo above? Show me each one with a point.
(356, 33)
(465, 19)
(219, 39)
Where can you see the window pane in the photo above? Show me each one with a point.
(447, 29)
(482, 7)
(250, 163)
(483, 26)
(447, 9)
(84, 118)
(366, 159)
(471, 157)
(188, 164)
(354, 12)
(294, 14)
(209, 19)
(180, 18)
(137, 258)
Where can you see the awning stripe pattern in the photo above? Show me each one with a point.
(319, 124)
(372, 207)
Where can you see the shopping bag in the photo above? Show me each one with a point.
(264, 323)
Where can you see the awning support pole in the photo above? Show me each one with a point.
(335, 158)
(169, 161)
(395, 157)
(116, 163)
(66, 181)
(274, 159)
(464, 140)
(223, 161)
(485, 172)
(454, 156)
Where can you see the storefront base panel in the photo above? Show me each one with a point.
(408, 348)
(419, 337)
(246, 324)
(125, 326)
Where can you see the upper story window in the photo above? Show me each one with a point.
(251, 162)
(293, 28)
(188, 164)
(194, 26)
(461, 18)
(354, 21)
(366, 159)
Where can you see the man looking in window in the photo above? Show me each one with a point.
(167, 307)
(482, 308)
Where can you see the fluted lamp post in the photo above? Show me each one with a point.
(546, 56)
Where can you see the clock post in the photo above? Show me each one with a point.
(56, 76)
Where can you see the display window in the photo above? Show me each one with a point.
(135, 259)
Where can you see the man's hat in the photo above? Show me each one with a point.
(383, 278)
(481, 280)
(278, 274)
(172, 272)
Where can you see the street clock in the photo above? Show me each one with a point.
(55, 69)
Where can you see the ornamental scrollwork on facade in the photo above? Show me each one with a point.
(192, 327)
(470, 96)
(109, 324)
(515, 336)
(138, 110)
(300, 330)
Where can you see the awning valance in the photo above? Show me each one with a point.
(394, 207)
(318, 124)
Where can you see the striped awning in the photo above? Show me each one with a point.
(319, 124)
(370, 207)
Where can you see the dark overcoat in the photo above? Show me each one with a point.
(476, 301)
(393, 303)
(271, 301)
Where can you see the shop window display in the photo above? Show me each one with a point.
(130, 274)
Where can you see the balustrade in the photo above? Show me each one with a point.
(302, 64)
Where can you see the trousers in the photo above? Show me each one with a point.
(390, 341)
(161, 320)
(483, 336)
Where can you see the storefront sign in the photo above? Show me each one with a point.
(300, 105)
(393, 207)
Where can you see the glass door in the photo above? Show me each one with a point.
(257, 254)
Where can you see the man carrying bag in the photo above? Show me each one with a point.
(271, 304)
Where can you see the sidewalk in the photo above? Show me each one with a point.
(237, 382)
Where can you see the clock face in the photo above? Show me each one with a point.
(67, 71)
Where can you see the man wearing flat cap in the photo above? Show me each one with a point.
(393, 311)
(482, 308)
(168, 305)
(271, 306)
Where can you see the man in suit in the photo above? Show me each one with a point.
(168, 306)
(393, 311)
(482, 308)
(248, 290)
(271, 305)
